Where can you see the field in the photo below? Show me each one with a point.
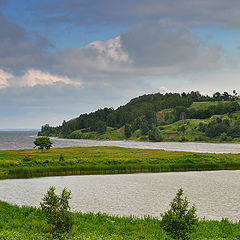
(107, 160)
(28, 223)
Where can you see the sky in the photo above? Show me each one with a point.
(62, 58)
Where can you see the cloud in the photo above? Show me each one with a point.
(151, 45)
(35, 77)
(95, 61)
(147, 49)
(32, 78)
(18, 48)
(192, 13)
(4, 76)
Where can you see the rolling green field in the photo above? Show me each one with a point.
(27, 223)
(107, 160)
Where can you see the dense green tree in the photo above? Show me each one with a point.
(155, 135)
(43, 142)
(57, 210)
(144, 127)
(180, 111)
(127, 131)
(101, 127)
(179, 220)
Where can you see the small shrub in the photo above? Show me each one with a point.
(57, 210)
(61, 158)
(179, 221)
(223, 136)
(182, 139)
(26, 159)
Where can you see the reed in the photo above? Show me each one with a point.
(108, 160)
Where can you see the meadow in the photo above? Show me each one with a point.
(107, 160)
(18, 223)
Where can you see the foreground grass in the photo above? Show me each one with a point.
(107, 160)
(29, 223)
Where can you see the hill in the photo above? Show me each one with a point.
(157, 117)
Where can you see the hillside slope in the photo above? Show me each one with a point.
(158, 117)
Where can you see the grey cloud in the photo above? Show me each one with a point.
(19, 49)
(147, 49)
(151, 45)
(192, 13)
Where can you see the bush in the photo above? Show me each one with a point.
(155, 135)
(56, 209)
(61, 158)
(179, 221)
(223, 137)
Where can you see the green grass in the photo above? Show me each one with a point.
(205, 105)
(171, 131)
(27, 223)
(110, 134)
(107, 160)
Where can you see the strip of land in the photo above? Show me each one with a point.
(107, 160)
(29, 223)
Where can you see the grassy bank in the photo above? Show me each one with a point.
(107, 160)
(29, 223)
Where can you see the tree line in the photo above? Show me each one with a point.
(140, 113)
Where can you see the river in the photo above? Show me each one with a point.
(24, 140)
(215, 193)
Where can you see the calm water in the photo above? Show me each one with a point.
(24, 140)
(215, 193)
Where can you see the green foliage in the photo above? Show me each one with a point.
(108, 160)
(224, 137)
(101, 127)
(127, 131)
(43, 142)
(27, 223)
(144, 127)
(179, 221)
(155, 135)
(56, 209)
(61, 158)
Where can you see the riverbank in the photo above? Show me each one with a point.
(108, 160)
(18, 223)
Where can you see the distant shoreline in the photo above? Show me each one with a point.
(19, 130)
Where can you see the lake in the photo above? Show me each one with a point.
(215, 193)
(24, 140)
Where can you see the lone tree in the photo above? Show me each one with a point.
(43, 142)
(179, 221)
(57, 210)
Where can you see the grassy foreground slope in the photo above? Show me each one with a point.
(107, 160)
(27, 223)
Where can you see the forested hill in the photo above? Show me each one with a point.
(148, 117)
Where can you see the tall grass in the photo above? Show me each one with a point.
(23, 223)
(107, 160)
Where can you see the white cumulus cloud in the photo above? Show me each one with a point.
(4, 76)
(32, 78)
(35, 77)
